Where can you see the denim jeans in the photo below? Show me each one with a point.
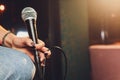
(15, 65)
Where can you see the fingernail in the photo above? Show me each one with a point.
(46, 54)
(43, 65)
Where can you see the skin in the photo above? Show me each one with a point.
(24, 44)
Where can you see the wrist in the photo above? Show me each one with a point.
(7, 39)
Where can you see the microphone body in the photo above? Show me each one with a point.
(29, 17)
(32, 31)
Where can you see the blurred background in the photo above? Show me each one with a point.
(73, 25)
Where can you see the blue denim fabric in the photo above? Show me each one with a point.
(15, 65)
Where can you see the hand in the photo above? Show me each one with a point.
(25, 45)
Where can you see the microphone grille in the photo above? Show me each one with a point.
(28, 13)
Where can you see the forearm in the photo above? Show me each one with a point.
(8, 39)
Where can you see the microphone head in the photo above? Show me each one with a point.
(28, 13)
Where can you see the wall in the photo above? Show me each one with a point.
(75, 40)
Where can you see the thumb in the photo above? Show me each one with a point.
(29, 42)
(22, 42)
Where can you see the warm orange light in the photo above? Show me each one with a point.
(2, 7)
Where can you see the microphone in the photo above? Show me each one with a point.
(29, 16)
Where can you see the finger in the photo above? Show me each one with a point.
(29, 42)
(42, 64)
(42, 56)
(42, 59)
(46, 51)
(40, 44)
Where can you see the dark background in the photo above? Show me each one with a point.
(12, 15)
(47, 28)
(59, 22)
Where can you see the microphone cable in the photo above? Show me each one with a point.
(65, 59)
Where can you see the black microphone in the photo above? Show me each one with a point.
(29, 16)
